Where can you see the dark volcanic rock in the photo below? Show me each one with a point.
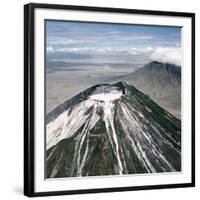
(130, 134)
(162, 82)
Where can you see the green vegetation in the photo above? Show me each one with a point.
(98, 149)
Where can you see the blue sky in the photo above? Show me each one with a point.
(68, 40)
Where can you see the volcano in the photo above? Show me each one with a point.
(160, 81)
(111, 130)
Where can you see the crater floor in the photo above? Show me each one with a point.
(107, 96)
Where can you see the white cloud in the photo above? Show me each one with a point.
(167, 54)
(57, 42)
(161, 54)
(50, 49)
(135, 37)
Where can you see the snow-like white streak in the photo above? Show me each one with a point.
(109, 122)
(166, 133)
(148, 109)
(155, 151)
(107, 125)
(80, 142)
(160, 154)
(136, 149)
(83, 117)
(52, 152)
(138, 153)
(136, 146)
(69, 122)
(148, 137)
(56, 167)
(65, 125)
(91, 123)
(80, 167)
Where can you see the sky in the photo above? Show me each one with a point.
(98, 43)
(80, 55)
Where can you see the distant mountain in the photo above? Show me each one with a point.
(111, 130)
(162, 82)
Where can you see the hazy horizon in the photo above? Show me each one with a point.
(80, 55)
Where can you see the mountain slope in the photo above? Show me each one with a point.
(162, 82)
(112, 130)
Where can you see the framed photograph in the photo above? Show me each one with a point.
(108, 99)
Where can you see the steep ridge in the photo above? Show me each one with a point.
(162, 82)
(112, 130)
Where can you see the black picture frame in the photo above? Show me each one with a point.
(29, 96)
